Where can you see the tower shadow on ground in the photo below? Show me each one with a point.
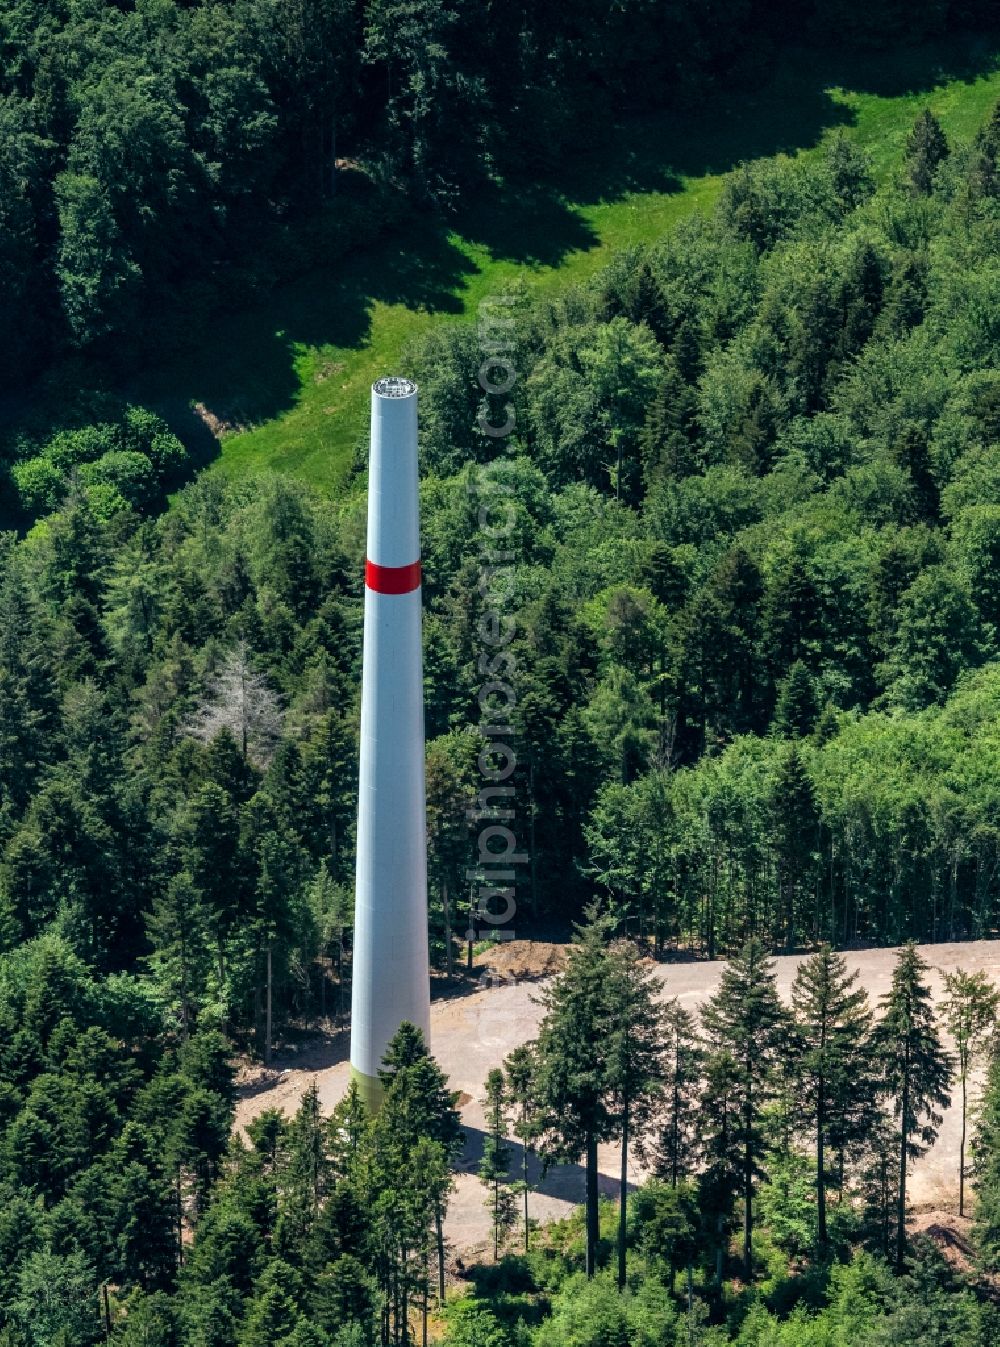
(564, 1181)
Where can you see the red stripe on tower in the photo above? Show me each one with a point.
(392, 579)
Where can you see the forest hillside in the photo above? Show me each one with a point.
(710, 543)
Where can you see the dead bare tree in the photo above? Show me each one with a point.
(238, 698)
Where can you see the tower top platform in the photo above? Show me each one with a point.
(394, 386)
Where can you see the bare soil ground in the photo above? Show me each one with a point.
(951, 1233)
(472, 1033)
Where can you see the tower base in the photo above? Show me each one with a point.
(370, 1088)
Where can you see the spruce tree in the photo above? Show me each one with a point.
(181, 960)
(432, 1107)
(431, 1184)
(687, 347)
(719, 1179)
(926, 150)
(986, 1167)
(795, 827)
(349, 1127)
(521, 1073)
(744, 1023)
(436, 1114)
(912, 452)
(970, 1013)
(342, 1295)
(862, 294)
(331, 908)
(916, 1070)
(665, 1223)
(635, 1059)
(576, 1089)
(648, 304)
(208, 838)
(674, 1152)
(984, 180)
(343, 1227)
(494, 1168)
(988, 136)
(668, 439)
(879, 1183)
(405, 1208)
(272, 1314)
(833, 1023)
(307, 1175)
(797, 708)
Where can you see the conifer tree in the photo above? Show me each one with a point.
(850, 171)
(201, 1132)
(177, 927)
(667, 441)
(926, 149)
(431, 1108)
(349, 1127)
(330, 905)
(861, 297)
(916, 1070)
(719, 1179)
(272, 1314)
(306, 1173)
(743, 1023)
(327, 767)
(343, 1296)
(986, 1167)
(208, 835)
(984, 180)
(494, 1168)
(687, 347)
(879, 1182)
(576, 1090)
(432, 1183)
(647, 302)
(797, 708)
(911, 450)
(832, 1024)
(988, 136)
(343, 1227)
(399, 1219)
(970, 1012)
(674, 1152)
(435, 1113)
(239, 700)
(521, 1074)
(665, 1224)
(635, 1061)
(795, 823)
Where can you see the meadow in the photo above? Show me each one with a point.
(283, 385)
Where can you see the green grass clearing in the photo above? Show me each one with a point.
(286, 384)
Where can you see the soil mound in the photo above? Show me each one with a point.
(523, 960)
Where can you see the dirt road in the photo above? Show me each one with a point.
(472, 1033)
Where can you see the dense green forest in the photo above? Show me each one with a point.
(779, 1140)
(754, 529)
(753, 501)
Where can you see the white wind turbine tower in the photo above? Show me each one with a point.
(391, 980)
